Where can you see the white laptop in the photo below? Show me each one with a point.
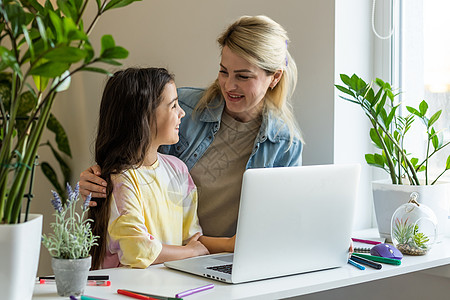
(291, 220)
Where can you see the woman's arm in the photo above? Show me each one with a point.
(191, 249)
(218, 244)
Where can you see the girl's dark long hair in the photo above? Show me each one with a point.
(127, 111)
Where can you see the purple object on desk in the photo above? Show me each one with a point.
(193, 291)
(386, 250)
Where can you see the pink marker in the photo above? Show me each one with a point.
(366, 241)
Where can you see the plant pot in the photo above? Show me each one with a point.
(71, 275)
(387, 197)
(19, 257)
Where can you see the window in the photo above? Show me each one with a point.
(421, 69)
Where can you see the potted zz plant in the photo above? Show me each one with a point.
(42, 45)
(70, 243)
(387, 133)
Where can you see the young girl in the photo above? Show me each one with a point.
(150, 215)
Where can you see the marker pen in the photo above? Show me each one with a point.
(89, 282)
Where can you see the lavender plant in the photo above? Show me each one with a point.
(72, 236)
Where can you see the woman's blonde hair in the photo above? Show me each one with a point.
(264, 43)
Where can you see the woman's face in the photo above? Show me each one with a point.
(243, 86)
(168, 117)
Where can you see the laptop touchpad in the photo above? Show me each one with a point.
(225, 258)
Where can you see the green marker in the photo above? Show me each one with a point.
(380, 259)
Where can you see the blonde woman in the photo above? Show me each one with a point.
(243, 120)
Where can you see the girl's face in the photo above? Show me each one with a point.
(168, 117)
(243, 86)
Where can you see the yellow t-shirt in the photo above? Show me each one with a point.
(150, 206)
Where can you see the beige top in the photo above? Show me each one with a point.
(218, 175)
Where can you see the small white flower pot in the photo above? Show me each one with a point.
(71, 275)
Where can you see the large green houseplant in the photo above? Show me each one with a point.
(388, 131)
(42, 46)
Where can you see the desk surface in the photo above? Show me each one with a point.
(160, 280)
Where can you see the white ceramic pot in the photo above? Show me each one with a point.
(387, 197)
(20, 245)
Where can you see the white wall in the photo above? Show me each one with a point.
(180, 35)
(353, 55)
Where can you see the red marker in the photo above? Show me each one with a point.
(89, 282)
(134, 295)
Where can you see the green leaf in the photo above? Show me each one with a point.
(50, 69)
(107, 42)
(115, 53)
(67, 9)
(110, 61)
(370, 159)
(375, 139)
(345, 79)
(52, 177)
(65, 169)
(434, 118)
(345, 90)
(370, 96)
(66, 54)
(15, 14)
(89, 52)
(380, 107)
(380, 83)
(27, 102)
(350, 100)
(375, 160)
(42, 31)
(434, 138)
(97, 70)
(26, 34)
(379, 160)
(58, 25)
(423, 107)
(118, 3)
(413, 111)
(447, 164)
(391, 115)
(40, 82)
(61, 137)
(72, 31)
(9, 60)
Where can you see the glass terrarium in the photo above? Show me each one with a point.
(413, 227)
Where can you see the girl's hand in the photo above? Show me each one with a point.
(196, 246)
(91, 183)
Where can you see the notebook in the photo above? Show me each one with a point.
(291, 220)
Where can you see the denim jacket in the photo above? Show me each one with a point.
(197, 132)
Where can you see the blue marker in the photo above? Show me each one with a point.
(356, 264)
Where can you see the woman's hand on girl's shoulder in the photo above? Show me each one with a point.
(91, 183)
(195, 246)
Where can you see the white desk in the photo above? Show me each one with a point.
(159, 280)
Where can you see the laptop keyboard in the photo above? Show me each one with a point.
(223, 268)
